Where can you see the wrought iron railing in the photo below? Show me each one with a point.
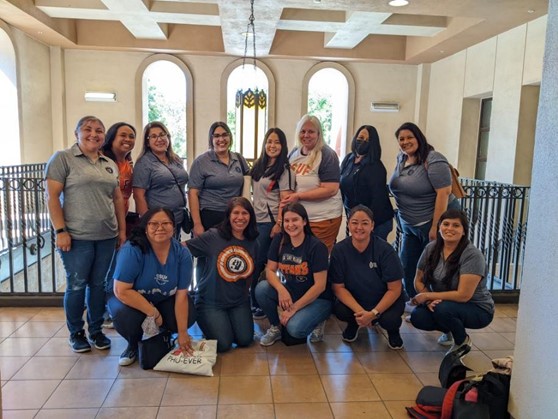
(29, 265)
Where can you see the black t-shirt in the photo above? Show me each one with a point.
(365, 275)
(297, 265)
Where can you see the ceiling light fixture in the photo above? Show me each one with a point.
(398, 3)
(250, 33)
(100, 97)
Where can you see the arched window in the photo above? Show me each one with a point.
(9, 117)
(165, 94)
(329, 100)
(248, 108)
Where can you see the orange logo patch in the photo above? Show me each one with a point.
(235, 263)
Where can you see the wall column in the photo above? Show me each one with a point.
(535, 373)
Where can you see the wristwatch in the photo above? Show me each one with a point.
(376, 313)
(61, 230)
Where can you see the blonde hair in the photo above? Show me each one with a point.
(317, 150)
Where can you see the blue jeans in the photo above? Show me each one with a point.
(303, 321)
(86, 266)
(127, 320)
(264, 241)
(227, 325)
(415, 239)
(450, 316)
(382, 230)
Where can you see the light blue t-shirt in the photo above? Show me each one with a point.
(156, 282)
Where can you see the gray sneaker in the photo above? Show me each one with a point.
(317, 334)
(446, 339)
(463, 348)
(272, 335)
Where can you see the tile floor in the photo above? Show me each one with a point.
(42, 378)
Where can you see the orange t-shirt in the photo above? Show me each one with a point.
(126, 171)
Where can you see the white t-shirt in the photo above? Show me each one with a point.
(325, 169)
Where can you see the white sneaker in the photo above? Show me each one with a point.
(446, 339)
(317, 334)
(409, 307)
(272, 335)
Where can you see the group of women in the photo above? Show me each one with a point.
(278, 247)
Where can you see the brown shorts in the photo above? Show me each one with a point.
(326, 231)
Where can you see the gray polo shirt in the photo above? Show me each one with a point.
(161, 188)
(217, 182)
(471, 262)
(414, 187)
(267, 195)
(87, 197)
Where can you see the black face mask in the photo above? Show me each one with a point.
(362, 147)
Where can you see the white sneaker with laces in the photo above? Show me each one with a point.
(272, 335)
(317, 334)
(446, 339)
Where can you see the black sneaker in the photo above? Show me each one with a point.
(99, 341)
(128, 357)
(78, 342)
(395, 341)
(258, 314)
(350, 334)
(463, 349)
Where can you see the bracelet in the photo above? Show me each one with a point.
(61, 230)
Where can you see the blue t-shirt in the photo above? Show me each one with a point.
(156, 282)
(365, 275)
(297, 265)
(227, 268)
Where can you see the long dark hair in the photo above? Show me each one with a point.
(452, 262)
(299, 209)
(212, 129)
(111, 136)
(423, 147)
(225, 228)
(375, 150)
(138, 236)
(171, 155)
(260, 168)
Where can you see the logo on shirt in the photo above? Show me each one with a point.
(301, 168)
(109, 169)
(373, 265)
(234, 263)
(161, 279)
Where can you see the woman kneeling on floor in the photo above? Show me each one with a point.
(151, 279)
(226, 259)
(301, 292)
(451, 285)
(366, 274)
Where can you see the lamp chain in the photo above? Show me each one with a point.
(250, 29)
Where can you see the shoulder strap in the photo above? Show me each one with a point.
(447, 404)
(176, 181)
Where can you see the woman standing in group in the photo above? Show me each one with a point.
(87, 214)
(215, 177)
(119, 143)
(226, 256)
(159, 175)
(272, 180)
(364, 180)
(301, 291)
(151, 279)
(317, 180)
(421, 185)
(451, 284)
(366, 274)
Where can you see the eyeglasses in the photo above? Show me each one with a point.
(153, 225)
(161, 136)
(223, 135)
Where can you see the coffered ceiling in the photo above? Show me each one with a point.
(371, 30)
